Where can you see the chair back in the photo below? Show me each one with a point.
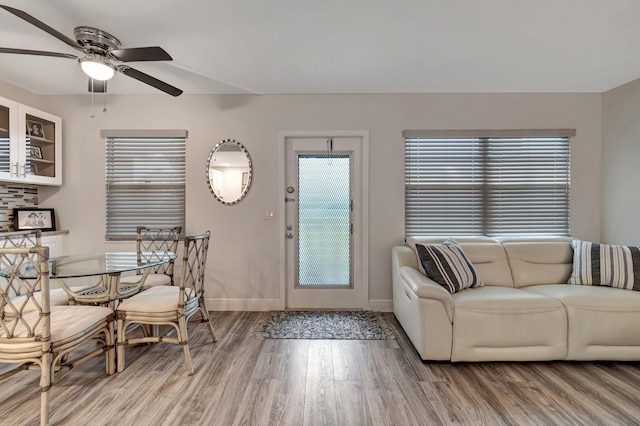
(149, 241)
(17, 239)
(193, 266)
(29, 238)
(24, 271)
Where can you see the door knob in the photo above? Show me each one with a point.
(290, 235)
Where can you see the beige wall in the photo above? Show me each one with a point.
(244, 258)
(621, 164)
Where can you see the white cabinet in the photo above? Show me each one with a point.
(55, 244)
(8, 139)
(30, 145)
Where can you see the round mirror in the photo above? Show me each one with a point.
(229, 171)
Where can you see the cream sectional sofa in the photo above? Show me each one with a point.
(525, 311)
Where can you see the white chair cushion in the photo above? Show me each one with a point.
(154, 300)
(68, 323)
(153, 280)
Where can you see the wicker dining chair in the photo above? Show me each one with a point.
(169, 305)
(43, 337)
(31, 238)
(15, 239)
(148, 242)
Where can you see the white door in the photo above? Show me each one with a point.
(323, 220)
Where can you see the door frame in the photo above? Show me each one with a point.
(364, 159)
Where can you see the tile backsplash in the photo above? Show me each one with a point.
(15, 196)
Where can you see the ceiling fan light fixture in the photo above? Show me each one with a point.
(97, 67)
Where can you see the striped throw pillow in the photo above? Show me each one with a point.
(606, 265)
(447, 265)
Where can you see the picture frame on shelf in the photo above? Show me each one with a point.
(35, 152)
(34, 218)
(35, 128)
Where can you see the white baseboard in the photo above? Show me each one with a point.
(381, 305)
(275, 305)
(243, 304)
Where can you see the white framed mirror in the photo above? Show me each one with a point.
(229, 171)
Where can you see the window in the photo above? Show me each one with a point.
(495, 183)
(145, 181)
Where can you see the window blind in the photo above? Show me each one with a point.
(145, 184)
(495, 186)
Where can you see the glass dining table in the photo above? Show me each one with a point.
(108, 268)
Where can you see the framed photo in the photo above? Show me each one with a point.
(34, 218)
(35, 128)
(35, 152)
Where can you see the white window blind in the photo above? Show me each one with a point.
(145, 183)
(495, 186)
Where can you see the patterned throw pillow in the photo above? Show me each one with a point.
(606, 265)
(447, 265)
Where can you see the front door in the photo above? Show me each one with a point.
(323, 209)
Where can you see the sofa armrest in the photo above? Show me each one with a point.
(425, 287)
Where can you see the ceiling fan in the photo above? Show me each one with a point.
(99, 50)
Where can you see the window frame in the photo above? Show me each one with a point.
(476, 216)
(124, 179)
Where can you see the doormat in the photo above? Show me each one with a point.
(347, 325)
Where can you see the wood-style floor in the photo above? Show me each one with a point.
(241, 380)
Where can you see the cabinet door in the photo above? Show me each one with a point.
(9, 150)
(40, 146)
(54, 242)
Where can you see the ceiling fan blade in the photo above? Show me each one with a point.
(151, 81)
(135, 54)
(44, 27)
(97, 86)
(37, 53)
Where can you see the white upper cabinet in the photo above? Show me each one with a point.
(8, 140)
(30, 145)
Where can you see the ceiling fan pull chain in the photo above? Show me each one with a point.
(104, 101)
(92, 113)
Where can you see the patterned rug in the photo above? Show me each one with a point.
(347, 325)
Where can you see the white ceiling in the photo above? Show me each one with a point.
(340, 46)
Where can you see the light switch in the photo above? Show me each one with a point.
(270, 214)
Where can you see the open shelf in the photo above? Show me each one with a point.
(40, 160)
(40, 140)
(33, 153)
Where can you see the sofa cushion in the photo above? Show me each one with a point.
(447, 265)
(604, 322)
(499, 323)
(539, 262)
(412, 241)
(605, 265)
(486, 255)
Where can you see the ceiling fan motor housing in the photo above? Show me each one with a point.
(94, 39)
